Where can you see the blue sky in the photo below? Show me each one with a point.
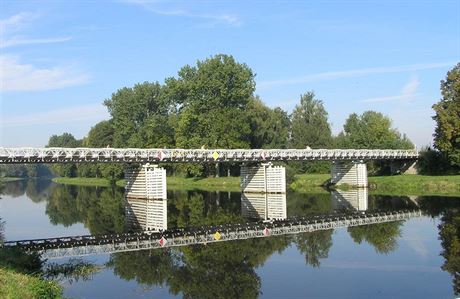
(60, 59)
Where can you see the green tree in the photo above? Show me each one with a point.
(133, 108)
(447, 131)
(101, 134)
(371, 130)
(64, 140)
(269, 127)
(213, 97)
(309, 123)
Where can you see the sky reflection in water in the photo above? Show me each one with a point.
(398, 259)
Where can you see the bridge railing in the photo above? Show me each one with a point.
(126, 155)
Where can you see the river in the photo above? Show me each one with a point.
(413, 258)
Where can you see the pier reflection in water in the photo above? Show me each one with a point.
(146, 214)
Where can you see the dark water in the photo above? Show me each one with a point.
(415, 258)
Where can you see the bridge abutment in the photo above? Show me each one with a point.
(263, 178)
(352, 173)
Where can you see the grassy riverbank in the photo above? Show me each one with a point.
(95, 182)
(17, 285)
(448, 185)
(410, 184)
(307, 183)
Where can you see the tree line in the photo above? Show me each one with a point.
(213, 105)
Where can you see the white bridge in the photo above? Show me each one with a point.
(136, 155)
(88, 245)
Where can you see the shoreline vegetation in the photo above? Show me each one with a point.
(446, 185)
(19, 285)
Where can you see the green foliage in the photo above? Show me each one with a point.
(310, 127)
(371, 130)
(63, 140)
(101, 135)
(213, 97)
(17, 285)
(269, 127)
(18, 260)
(433, 162)
(447, 132)
(24, 170)
(137, 109)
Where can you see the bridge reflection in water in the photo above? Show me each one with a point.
(269, 209)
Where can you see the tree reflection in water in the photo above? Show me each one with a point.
(227, 269)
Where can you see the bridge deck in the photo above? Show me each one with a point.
(87, 245)
(128, 155)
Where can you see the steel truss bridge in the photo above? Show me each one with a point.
(135, 155)
(99, 244)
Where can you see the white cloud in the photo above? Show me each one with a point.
(352, 73)
(16, 22)
(92, 112)
(15, 76)
(31, 41)
(408, 92)
(154, 7)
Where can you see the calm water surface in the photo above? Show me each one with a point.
(403, 259)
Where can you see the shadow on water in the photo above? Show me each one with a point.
(227, 269)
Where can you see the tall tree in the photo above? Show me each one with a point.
(212, 97)
(447, 132)
(371, 130)
(134, 108)
(309, 123)
(269, 127)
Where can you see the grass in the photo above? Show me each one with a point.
(17, 285)
(96, 182)
(308, 183)
(407, 184)
(220, 183)
(448, 185)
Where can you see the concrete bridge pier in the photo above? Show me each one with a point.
(352, 173)
(146, 181)
(145, 197)
(403, 167)
(263, 178)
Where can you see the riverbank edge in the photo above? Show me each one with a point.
(417, 185)
(18, 285)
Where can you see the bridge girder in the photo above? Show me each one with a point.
(135, 155)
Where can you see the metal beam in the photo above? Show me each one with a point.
(129, 155)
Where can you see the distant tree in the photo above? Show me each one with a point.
(309, 123)
(447, 132)
(269, 127)
(371, 130)
(64, 140)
